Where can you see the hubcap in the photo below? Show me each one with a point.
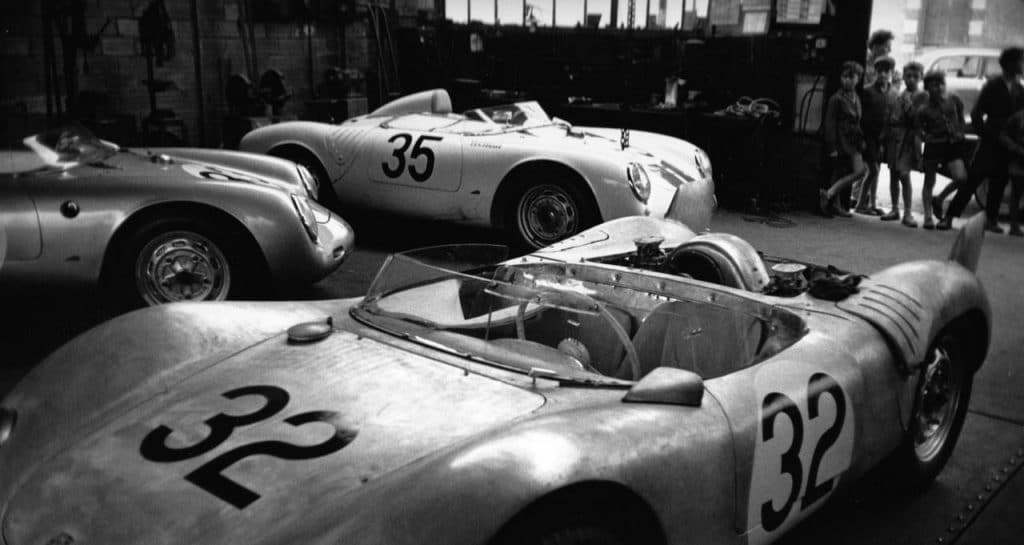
(181, 266)
(939, 399)
(547, 214)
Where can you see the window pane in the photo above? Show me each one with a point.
(674, 14)
(602, 8)
(568, 12)
(482, 10)
(539, 12)
(455, 10)
(510, 12)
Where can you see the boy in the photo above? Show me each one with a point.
(844, 141)
(875, 103)
(1012, 138)
(902, 147)
(940, 124)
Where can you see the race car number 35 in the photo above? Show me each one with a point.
(804, 443)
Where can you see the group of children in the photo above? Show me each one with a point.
(863, 129)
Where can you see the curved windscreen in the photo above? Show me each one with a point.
(520, 115)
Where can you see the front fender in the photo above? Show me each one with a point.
(912, 302)
(678, 460)
(121, 363)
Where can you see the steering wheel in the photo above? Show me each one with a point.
(620, 332)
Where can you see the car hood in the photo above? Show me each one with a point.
(270, 435)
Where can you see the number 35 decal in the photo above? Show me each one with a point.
(418, 150)
(808, 460)
(209, 476)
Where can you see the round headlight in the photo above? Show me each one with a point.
(8, 419)
(638, 181)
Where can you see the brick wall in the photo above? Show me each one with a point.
(117, 67)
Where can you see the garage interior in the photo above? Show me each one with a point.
(202, 73)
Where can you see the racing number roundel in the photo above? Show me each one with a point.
(804, 444)
(422, 160)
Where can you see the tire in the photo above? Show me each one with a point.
(941, 397)
(544, 213)
(179, 259)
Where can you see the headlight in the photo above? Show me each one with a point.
(638, 181)
(703, 164)
(305, 211)
(309, 182)
(8, 418)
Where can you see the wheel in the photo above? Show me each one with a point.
(546, 213)
(940, 406)
(327, 196)
(179, 259)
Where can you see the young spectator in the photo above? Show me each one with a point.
(1012, 139)
(844, 141)
(879, 45)
(875, 104)
(902, 147)
(999, 98)
(940, 123)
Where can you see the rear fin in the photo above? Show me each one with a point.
(967, 247)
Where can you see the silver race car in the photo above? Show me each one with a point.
(160, 225)
(637, 383)
(507, 166)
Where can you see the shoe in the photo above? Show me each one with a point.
(823, 207)
(1015, 231)
(929, 224)
(937, 208)
(945, 224)
(838, 210)
(891, 216)
(993, 227)
(862, 211)
(908, 221)
(875, 211)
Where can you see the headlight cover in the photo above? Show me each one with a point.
(8, 419)
(638, 181)
(309, 182)
(305, 211)
(703, 164)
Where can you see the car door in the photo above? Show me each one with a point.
(794, 425)
(19, 221)
(410, 151)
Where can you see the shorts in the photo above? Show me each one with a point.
(945, 152)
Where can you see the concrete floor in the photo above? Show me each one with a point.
(975, 500)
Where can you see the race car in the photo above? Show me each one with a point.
(159, 225)
(637, 383)
(509, 166)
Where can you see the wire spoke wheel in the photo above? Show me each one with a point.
(939, 396)
(547, 213)
(181, 266)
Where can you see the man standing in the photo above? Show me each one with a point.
(1000, 97)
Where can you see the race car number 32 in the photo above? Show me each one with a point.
(209, 476)
(804, 443)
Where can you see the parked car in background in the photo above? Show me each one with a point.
(635, 384)
(509, 166)
(966, 68)
(160, 225)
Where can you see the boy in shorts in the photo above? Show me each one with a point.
(1012, 138)
(875, 102)
(940, 124)
(902, 147)
(844, 141)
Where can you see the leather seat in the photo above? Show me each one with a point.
(708, 340)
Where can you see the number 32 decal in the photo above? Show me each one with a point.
(808, 460)
(209, 476)
(418, 150)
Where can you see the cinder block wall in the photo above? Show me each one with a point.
(117, 67)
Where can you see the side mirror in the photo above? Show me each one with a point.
(669, 386)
